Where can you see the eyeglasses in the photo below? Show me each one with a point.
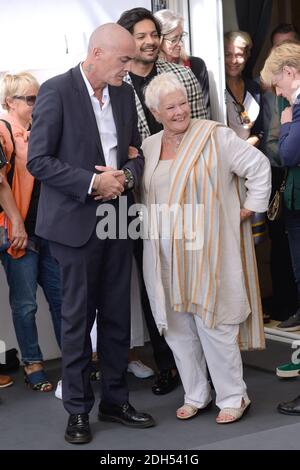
(176, 39)
(243, 115)
(30, 99)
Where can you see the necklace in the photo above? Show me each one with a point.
(236, 89)
(172, 141)
(242, 113)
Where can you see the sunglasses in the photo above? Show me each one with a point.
(243, 115)
(176, 39)
(30, 99)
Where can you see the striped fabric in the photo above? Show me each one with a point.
(194, 273)
(251, 334)
(194, 181)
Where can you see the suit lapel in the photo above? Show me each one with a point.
(114, 93)
(87, 111)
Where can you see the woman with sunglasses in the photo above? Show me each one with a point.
(172, 48)
(27, 262)
(242, 95)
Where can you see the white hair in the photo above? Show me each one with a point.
(169, 20)
(162, 85)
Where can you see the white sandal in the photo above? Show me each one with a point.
(230, 415)
(187, 411)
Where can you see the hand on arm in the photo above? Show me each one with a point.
(132, 152)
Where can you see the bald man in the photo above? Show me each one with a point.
(83, 124)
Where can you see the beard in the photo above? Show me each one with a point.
(145, 60)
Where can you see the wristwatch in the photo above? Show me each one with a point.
(129, 178)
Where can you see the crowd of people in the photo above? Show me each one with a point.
(119, 186)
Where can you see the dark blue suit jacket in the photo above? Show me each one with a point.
(65, 146)
(289, 139)
(289, 151)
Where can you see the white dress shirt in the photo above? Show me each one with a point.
(106, 125)
(294, 96)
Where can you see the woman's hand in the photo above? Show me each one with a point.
(287, 115)
(253, 140)
(19, 236)
(245, 213)
(132, 152)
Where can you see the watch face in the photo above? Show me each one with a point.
(129, 180)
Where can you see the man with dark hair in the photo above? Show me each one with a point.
(146, 30)
(284, 32)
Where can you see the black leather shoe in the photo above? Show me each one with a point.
(290, 407)
(125, 414)
(165, 382)
(78, 429)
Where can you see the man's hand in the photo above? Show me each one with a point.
(109, 184)
(245, 213)
(287, 115)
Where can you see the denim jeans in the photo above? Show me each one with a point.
(23, 276)
(292, 223)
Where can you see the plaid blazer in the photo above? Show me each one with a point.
(194, 93)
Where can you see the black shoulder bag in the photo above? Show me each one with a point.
(276, 204)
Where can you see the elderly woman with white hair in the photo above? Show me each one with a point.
(199, 259)
(172, 48)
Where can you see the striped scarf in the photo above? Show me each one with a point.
(194, 182)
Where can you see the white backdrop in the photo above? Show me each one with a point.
(206, 31)
(50, 36)
(47, 37)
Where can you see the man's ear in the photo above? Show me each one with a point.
(98, 52)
